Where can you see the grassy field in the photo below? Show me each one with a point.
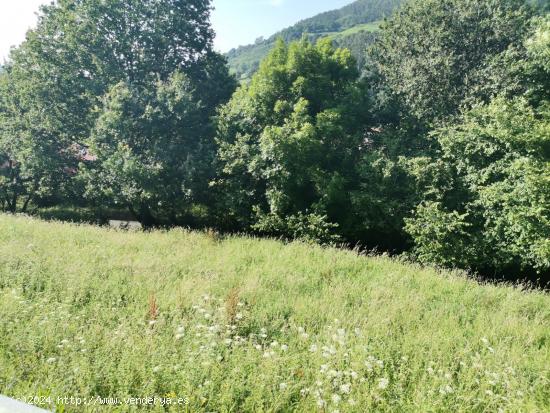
(367, 27)
(246, 325)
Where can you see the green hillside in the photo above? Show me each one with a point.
(352, 26)
(247, 325)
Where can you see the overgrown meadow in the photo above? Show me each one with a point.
(237, 324)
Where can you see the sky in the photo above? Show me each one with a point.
(236, 22)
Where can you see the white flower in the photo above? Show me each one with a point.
(489, 392)
(313, 348)
(430, 371)
(51, 360)
(239, 316)
(275, 344)
(284, 347)
(383, 383)
(321, 403)
(336, 398)
(446, 390)
(345, 388)
(283, 386)
(352, 402)
(258, 347)
(180, 330)
(152, 322)
(228, 341)
(354, 375)
(156, 369)
(324, 368)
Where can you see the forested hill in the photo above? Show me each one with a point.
(352, 26)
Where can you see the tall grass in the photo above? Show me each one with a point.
(247, 325)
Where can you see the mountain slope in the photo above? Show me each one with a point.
(353, 26)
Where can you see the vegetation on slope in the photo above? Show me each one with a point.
(386, 157)
(345, 26)
(239, 324)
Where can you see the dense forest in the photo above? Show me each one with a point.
(348, 27)
(436, 145)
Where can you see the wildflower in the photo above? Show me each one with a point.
(274, 344)
(282, 386)
(345, 388)
(284, 347)
(152, 322)
(239, 316)
(485, 341)
(324, 368)
(156, 369)
(430, 371)
(304, 392)
(383, 383)
(352, 402)
(489, 392)
(336, 398)
(313, 348)
(228, 341)
(51, 360)
(207, 316)
(446, 390)
(354, 375)
(258, 347)
(321, 403)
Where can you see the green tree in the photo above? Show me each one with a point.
(156, 150)
(289, 141)
(491, 210)
(433, 55)
(67, 67)
(35, 161)
(487, 203)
